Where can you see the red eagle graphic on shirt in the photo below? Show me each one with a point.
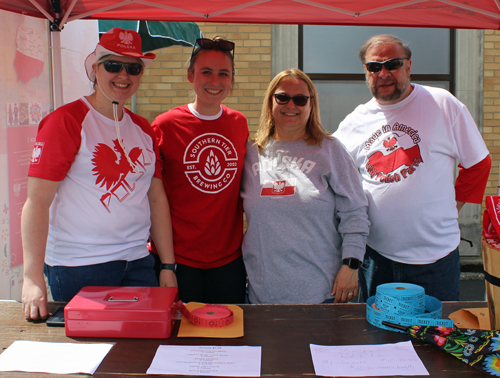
(112, 167)
(378, 163)
(391, 144)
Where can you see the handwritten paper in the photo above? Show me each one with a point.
(366, 360)
(221, 361)
(54, 358)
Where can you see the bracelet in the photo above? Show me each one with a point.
(171, 267)
(352, 263)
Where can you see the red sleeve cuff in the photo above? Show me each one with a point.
(471, 183)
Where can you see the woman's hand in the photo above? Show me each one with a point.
(345, 286)
(34, 299)
(168, 278)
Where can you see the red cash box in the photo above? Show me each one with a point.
(124, 312)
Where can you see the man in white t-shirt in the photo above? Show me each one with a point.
(406, 141)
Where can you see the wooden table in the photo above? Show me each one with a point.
(283, 331)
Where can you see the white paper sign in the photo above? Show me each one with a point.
(222, 361)
(54, 358)
(367, 360)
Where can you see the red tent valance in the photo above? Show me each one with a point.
(460, 14)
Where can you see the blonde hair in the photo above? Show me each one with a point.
(314, 130)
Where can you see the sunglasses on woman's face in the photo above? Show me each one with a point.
(390, 65)
(113, 66)
(283, 99)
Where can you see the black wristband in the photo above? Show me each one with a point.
(172, 267)
(352, 263)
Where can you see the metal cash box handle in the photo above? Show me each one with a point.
(112, 299)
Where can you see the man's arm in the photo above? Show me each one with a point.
(471, 182)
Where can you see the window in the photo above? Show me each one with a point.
(329, 55)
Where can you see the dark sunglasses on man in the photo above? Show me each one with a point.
(209, 44)
(113, 66)
(390, 65)
(283, 99)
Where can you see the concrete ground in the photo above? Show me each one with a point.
(472, 290)
(472, 285)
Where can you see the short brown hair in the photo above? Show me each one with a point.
(380, 39)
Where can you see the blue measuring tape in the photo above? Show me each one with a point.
(405, 304)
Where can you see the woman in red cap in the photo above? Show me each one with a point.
(95, 189)
(203, 145)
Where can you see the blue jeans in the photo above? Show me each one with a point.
(66, 281)
(440, 279)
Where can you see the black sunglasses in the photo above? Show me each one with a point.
(283, 99)
(113, 66)
(209, 44)
(390, 65)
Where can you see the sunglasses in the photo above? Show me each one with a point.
(283, 99)
(390, 65)
(113, 66)
(209, 44)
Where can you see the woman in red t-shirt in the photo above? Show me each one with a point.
(202, 145)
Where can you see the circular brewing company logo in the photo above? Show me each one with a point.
(211, 162)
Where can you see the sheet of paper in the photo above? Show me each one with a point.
(222, 361)
(55, 358)
(367, 360)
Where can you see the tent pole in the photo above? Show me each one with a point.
(51, 73)
(57, 69)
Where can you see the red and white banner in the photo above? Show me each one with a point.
(30, 54)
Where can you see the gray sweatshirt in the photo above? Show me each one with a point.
(306, 211)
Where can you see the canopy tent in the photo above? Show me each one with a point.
(461, 14)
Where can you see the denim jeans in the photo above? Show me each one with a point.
(66, 281)
(440, 279)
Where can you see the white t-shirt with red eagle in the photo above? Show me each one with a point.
(406, 153)
(101, 209)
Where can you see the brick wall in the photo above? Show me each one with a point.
(491, 120)
(165, 85)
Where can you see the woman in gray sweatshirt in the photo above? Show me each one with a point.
(304, 203)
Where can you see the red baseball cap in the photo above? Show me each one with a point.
(117, 42)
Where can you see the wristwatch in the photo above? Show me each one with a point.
(172, 267)
(352, 263)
